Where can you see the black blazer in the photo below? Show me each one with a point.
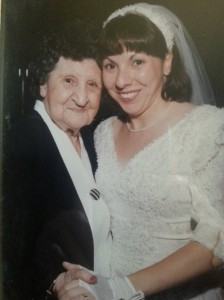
(44, 221)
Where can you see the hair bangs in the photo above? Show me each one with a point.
(120, 34)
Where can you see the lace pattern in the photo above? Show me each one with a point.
(150, 198)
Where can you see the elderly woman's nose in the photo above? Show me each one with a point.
(81, 95)
(123, 77)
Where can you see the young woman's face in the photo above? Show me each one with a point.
(72, 93)
(134, 80)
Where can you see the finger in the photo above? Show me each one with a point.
(68, 287)
(87, 296)
(84, 296)
(81, 273)
(62, 279)
(85, 275)
(68, 266)
(71, 289)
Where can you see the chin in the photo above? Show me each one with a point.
(130, 111)
(80, 125)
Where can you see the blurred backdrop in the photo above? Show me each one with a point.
(24, 21)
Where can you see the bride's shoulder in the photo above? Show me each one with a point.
(210, 113)
(209, 120)
(105, 125)
(204, 112)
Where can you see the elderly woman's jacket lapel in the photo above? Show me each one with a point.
(49, 223)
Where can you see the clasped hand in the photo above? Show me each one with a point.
(67, 285)
(80, 283)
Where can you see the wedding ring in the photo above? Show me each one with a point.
(51, 290)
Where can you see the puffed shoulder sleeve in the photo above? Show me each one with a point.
(207, 191)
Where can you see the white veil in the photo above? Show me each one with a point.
(175, 32)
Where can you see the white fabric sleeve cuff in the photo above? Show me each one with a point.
(119, 288)
(122, 288)
(219, 248)
(207, 234)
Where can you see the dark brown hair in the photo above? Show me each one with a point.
(137, 33)
(75, 40)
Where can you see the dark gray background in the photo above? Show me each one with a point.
(22, 21)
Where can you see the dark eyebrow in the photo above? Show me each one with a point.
(130, 58)
(111, 60)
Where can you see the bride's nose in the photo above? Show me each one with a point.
(123, 78)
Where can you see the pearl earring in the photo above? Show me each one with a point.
(167, 72)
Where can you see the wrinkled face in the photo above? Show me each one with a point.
(135, 80)
(72, 93)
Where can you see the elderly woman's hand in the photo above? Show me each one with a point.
(79, 284)
(74, 291)
(66, 280)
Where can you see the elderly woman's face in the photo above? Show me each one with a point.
(72, 93)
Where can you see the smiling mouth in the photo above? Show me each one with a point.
(77, 109)
(129, 95)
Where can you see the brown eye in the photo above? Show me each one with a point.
(109, 66)
(138, 62)
(94, 84)
(68, 80)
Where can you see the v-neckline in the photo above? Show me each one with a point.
(150, 145)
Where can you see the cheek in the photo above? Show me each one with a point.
(108, 80)
(145, 76)
(95, 101)
(60, 103)
(56, 112)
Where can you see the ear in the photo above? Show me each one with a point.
(43, 90)
(167, 63)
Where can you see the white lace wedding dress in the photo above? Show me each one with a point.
(169, 193)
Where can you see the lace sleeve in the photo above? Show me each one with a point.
(209, 229)
(207, 194)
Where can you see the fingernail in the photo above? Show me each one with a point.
(93, 278)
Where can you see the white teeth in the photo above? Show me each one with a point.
(128, 95)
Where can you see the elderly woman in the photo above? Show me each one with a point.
(52, 208)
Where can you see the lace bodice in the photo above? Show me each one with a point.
(173, 181)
